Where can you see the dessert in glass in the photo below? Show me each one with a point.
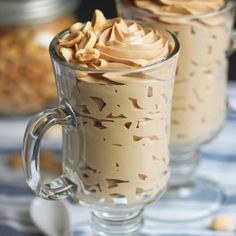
(115, 81)
(204, 29)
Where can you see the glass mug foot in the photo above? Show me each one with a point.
(99, 226)
(88, 232)
(195, 200)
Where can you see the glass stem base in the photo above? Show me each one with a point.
(183, 166)
(197, 199)
(116, 224)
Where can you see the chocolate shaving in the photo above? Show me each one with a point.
(85, 175)
(128, 124)
(112, 183)
(98, 124)
(117, 195)
(84, 168)
(84, 109)
(142, 176)
(99, 102)
(93, 188)
(121, 116)
(134, 102)
(151, 137)
(137, 138)
(150, 92)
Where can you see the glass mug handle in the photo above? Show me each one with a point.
(61, 187)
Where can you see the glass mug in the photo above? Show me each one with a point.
(115, 139)
(199, 102)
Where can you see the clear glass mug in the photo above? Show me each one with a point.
(115, 139)
(199, 102)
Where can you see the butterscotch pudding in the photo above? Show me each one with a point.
(121, 95)
(203, 28)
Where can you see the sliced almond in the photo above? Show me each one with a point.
(76, 27)
(71, 39)
(87, 55)
(98, 19)
(221, 223)
(88, 41)
(67, 53)
(87, 27)
(91, 40)
(82, 43)
(77, 47)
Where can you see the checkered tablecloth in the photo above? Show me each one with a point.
(218, 163)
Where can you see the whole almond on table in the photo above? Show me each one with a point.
(221, 223)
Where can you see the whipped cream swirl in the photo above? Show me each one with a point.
(113, 44)
(180, 7)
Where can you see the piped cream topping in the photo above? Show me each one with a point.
(180, 7)
(113, 44)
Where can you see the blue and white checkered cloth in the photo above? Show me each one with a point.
(218, 163)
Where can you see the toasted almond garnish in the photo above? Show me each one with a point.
(76, 27)
(87, 55)
(71, 39)
(88, 41)
(221, 223)
(67, 53)
(98, 19)
(81, 74)
(82, 43)
(91, 40)
(87, 27)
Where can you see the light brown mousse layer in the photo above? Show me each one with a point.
(199, 109)
(122, 144)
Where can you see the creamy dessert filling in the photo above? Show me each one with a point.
(124, 116)
(113, 44)
(180, 7)
(198, 109)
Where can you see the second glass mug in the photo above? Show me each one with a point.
(199, 103)
(115, 139)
